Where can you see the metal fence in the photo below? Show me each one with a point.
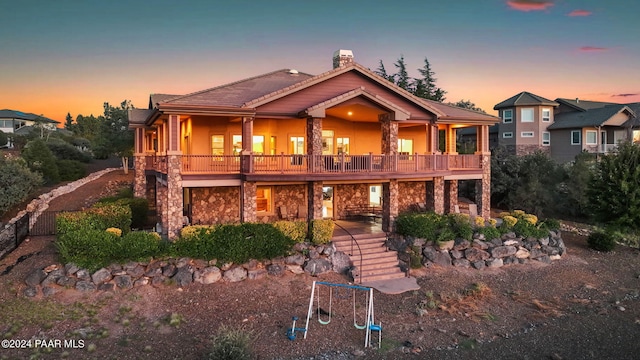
(13, 235)
(44, 224)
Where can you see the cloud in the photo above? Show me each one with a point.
(529, 5)
(624, 95)
(593, 49)
(579, 12)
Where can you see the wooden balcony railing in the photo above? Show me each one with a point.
(318, 164)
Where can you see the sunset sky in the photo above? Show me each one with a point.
(74, 55)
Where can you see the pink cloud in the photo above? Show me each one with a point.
(529, 5)
(593, 49)
(579, 12)
(624, 95)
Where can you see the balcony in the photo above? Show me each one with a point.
(320, 166)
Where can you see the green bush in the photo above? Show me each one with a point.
(17, 181)
(231, 344)
(71, 170)
(296, 230)
(65, 151)
(420, 225)
(139, 210)
(321, 231)
(40, 159)
(460, 225)
(4, 139)
(489, 232)
(601, 241)
(99, 217)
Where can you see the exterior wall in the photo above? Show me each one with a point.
(314, 199)
(290, 196)
(248, 194)
(411, 193)
(525, 145)
(174, 206)
(216, 205)
(161, 205)
(483, 189)
(364, 137)
(349, 194)
(438, 195)
(451, 195)
(561, 150)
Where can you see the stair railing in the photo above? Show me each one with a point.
(353, 241)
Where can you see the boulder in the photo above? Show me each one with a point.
(49, 290)
(475, 254)
(83, 274)
(169, 270)
(235, 274)
(256, 274)
(208, 275)
(84, 285)
(442, 258)
(494, 263)
(341, 262)
(296, 269)
(445, 245)
(522, 253)
(461, 244)
(479, 244)
(101, 276)
(184, 275)
(317, 266)
(503, 251)
(295, 259)
(136, 271)
(66, 281)
(107, 287)
(71, 269)
(123, 281)
(480, 264)
(30, 291)
(463, 263)
(35, 277)
(275, 270)
(141, 281)
(457, 254)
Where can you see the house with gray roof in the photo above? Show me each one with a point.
(15, 122)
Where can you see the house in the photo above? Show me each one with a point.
(563, 128)
(12, 121)
(287, 144)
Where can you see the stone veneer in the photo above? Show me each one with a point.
(174, 208)
(451, 197)
(349, 195)
(216, 205)
(483, 188)
(140, 180)
(438, 195)
(248, 191)
(389, 205)
(290, 196)
(314, 200)
(411, 193)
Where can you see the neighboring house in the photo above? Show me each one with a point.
(563, 128)
(291, 145)
(12, 121)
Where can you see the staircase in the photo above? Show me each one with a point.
(378, 263)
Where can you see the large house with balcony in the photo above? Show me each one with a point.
(292, 145)
(564, 127)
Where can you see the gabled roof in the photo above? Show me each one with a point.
(155, 99)
(589, 118)
(13, 114)
(139, 116)
(583, 105)
(525, 99)
(318, 110)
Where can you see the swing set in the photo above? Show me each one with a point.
(341, 291)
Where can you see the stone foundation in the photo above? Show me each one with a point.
(289, 196)
(349, 195)
(219, 205)
(410, 194)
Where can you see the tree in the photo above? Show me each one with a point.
(115, 136)
(40, 159)
(402, 77)
(467, 104)
(383, 72)
(431, 91)
(40, 124)
(4, 139)
(68, 122)
(16, 182)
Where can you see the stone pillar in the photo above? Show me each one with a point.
(389, 205)
(482, 139)
(483, 188)
(429, 191)
(161, 205)
(140, 179)
(315, 199)
(249, 209)
(451, 195)
(389, 135)
(438, 195)
(247, 145)
(314, 144)
(174, 201)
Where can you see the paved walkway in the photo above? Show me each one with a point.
(394, 286)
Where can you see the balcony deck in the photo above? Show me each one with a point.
(308, 167)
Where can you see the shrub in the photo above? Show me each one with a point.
(231, 344)
(489, 232)
(17, 181)
(66, 151)
(550, 224)
(71, 170)
(4, 139)
(415, 257)
(601, 241)
(115, 231)
(140, 245)
(321, 231)
(296, 230)
(191, 231)
(509, 221)
(460, 225)
(139, 210)
(39, 158)
(423, 225)
(100, 218)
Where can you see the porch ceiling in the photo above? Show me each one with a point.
(356, 112)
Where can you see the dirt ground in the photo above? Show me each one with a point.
(584, 306)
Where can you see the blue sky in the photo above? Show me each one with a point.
(71, 56)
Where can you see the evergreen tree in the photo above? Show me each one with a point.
(16, 182)
(68, 122)
(115, 137)
(431, 91)
(467, 104)
(402, 77)
(40, 159)
(381, 71)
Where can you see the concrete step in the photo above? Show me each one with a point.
(360, 237)
(380, 277)
(361, 242)
(367, 245)
(388, 268)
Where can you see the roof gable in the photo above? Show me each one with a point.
(525, 99)
(603, 116)
(583, 105)
(319, 110)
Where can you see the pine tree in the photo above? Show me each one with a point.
(381, 71)
(68, 122)
(402, 77)
(431, 92)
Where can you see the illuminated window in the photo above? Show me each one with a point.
(546, 138)
(264, 199)
(236, 140)
(258, 144)
(217, 144)
(327, 142)
(526, 115)
(507, 116)
(405, 146)
(297, 145)
(272, 145)
(342, 145)
(546, 115)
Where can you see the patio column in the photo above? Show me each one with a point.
(435, 194)
(389, 134)
(389, 205)
(174, 203)
(451, 197)
(161, 205)
(139, 164)
(247, 144)
(432, 139)
(483, 188)
(482, 139)
(314, 146)
(315, 199)
(248, 206)
(451, 141)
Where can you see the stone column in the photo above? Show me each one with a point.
(438, 195)
(161, 205)
(249, 209)
(451, 195)
(451, 141)
(175, 203)
(140, 180)
(389, 205)
(389, 135)
(314, 144)
(483, 188)
(315, 199)
(247, 145)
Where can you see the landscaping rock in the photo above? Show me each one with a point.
(296, 259)
(107, 287)
(457, 254)
(275, 270)
(169, 270)
(123, 281)
(478, 244)
(503, 251)
(480, 264)
(136, 272)
(235, 274)
(544, 241)
(544, 258)
(208, 275)
(71, 269)
(463, 263)
(522, 253)
(30, 291)
(442, 258)
(52, 278)
(49, 290)
(461, 244)
(256, 274)
(152, 272)
(341, 262)
(250, 265)
(141, 282)
(329, 250)
(101, 276)
(296, 269)
(536, 253)
(475, 254)
(158, 280)
(494, 263)
(300, 247)
(226, 266)
(85, 285)
(313, 254)
(35, 277)
(182, 262)
(317, 266)
(445, 245)
(184, 275)
(66, 281)
(83, 275)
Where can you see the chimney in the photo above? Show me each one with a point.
(342, 58)
(577, 100)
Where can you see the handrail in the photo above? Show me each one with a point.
(353, 240)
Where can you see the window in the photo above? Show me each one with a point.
(272, 145)
(6, 124)
(507, 116)
(258, 144)
(636, 136)
(217, 144)
(507, 135)
(575, 137)
(327, 142)
(591, 137)
(527, 134)
(342, 145)
(405, 146)
(237, 144)
(546, 138)
(297, 145)
(546, 115)
(526, 115)
(264, 199)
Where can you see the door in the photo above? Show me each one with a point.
(375, 195)
(327, 202)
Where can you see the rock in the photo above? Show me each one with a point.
(35, 277)
(496, 242)
(300, 247)
(445, 245)
(49, 290)
(442, 258)
(429, 252)
(184, 275)
(503, 251)
(277, 260)
(71, 269)
(101, 276)
(226, 266)
(457, 254)
(208, 275)
(30, 291)
(66, 281)
(256, 274)
(544, 241)
(275, 270)
(544, 258)
(52, 278)
(341, 262)
(130, 265)
(536, 253)
(522, 253)
(313, 254)
(461, 244)
(463, 263)
(251, 264)
(157, 281)
(482, 245)
(295, 259)
(182, 262)
(83, 275)
(123, 281)
(169, 270)
(329, 250)
(523, 261)
(509, 260)
(200, 264)
(555, 257)
(84, 285)
(141, 281)
(509, 235)
(235, 274)
(114, 267)
(320, 249)
(475, 254)
(494, 263)
(480, 264)
(317, 266)
(296, 269)
(136, 272)
(107, 287)
(152, 272)
(511, 242)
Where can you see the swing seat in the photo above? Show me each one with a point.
(375, 327)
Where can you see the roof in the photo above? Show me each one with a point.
(14, 114)
(583, 105)
(155, 99)
(139, 116)
(588, 118)
(525, 99)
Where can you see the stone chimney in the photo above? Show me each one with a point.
(342, 58)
